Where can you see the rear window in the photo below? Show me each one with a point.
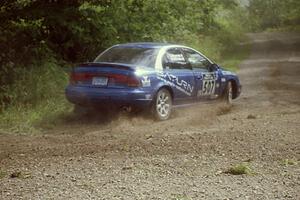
(139, 56)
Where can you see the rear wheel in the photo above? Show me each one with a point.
(162, 105)
(228, 94)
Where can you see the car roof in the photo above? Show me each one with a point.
(145, 44)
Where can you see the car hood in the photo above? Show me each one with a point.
(227, 72)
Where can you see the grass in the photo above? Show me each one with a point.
(31, 119)
(2, 174)
(179, 197)
(240, 169)
(288, 162)
(232, 59)
(20, 175)
(37, 96)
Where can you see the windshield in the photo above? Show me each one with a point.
(145, 57)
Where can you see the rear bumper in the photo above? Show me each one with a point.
(108, 96)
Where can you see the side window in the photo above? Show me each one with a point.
(174, 59)
(196, 60)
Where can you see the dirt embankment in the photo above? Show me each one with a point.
(182, 158)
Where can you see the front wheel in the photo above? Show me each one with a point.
(228, 94)
(162, 107)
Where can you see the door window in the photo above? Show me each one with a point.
(174, 59)
(196, 60)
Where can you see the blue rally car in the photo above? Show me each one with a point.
(155, 76)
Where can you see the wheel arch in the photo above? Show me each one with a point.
(153, 104)
(169, 88)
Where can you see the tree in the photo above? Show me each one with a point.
(273, 13)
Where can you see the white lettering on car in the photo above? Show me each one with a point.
(146, 81)
(208, 84)
(174, 81)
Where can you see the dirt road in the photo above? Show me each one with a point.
(183, 158)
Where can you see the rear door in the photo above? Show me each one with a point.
(205, 79)
(178, 73)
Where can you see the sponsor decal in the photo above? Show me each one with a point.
(174, 81)
(146, 81)
(208, 84)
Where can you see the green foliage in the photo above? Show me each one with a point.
(23, 119)
(231, 27)
(232, 58)
(35, 94)
(2, 174)
(179, 197)
(273, 13)
(31, 85)
(240, 169)
(20, 175)
(288, 162)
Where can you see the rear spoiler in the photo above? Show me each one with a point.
(107, 64)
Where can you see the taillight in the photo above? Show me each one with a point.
(133, 81)
(76, 77)
(120, 79)
(113, 79)
(117, 79)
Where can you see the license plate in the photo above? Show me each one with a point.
(100, 81)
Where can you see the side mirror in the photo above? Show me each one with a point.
(213, 67)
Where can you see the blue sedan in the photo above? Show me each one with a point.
(153, 76)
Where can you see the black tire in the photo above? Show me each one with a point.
(162, 105)
(228, 94)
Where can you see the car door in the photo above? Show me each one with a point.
(178, 73)
(206, 78)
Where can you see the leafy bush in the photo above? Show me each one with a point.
(266, 14)
(2, 174)
(36, 93)
(240, 169)
(288, 162)
(38, 84)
